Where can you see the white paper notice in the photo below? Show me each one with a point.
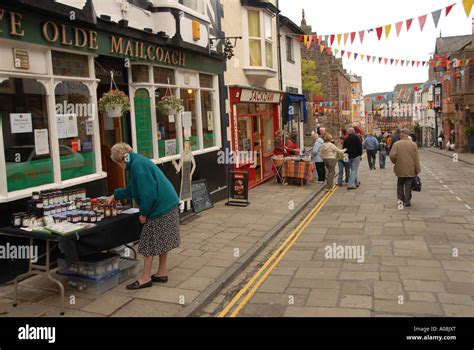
(72, 125)
(89, 127)
(171, 118)
(41, 142)
(187, 119)
(210, 121)
(21, 123)
(61, 122)
(170, 147)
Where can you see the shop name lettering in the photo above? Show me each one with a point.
(65, 35)
(260, 96)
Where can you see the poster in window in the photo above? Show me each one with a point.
(171, 118)
(61, 123)
(210, 121)
(41, 142)
(72, 125)
(187, 119)
(170, 147)
(89, 127)
(21, 123)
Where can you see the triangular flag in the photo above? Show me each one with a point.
(353, 35)
(329, 50)
(320, 38)
(361, 35)
(467, 61)
(468, 6)
(362, 56)
(349, 54)
(326, 39)
(380, 59)
(385, 60)
(332, 39)
(342, 53)
(339, 36)
(436, 15)
(379, 32)
(408, 62)
(368, 58)
(422, 20)
(301, 38)
(346, 36)
(396, 62)
(409, 21)
(305, 39)
(402, 62)
(388, 27)
(391, 61)
(336, 51)
(413, 63)
(321, 47)
(355, 56)
(448, 9)
(308, 43)
(398, 27)
(373, 59)
(417, 63)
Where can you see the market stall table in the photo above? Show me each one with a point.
(300, 169)
(108, 234)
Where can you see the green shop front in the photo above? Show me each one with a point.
(52, 135)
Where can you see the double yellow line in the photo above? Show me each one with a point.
(246, 293)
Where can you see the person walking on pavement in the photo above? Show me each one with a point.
(371, 145)
(383, 147)
(353, 146)
(404, 154)
(395, 138)
(329, 153)
(320, 168)
(440, 140)
(342, 163)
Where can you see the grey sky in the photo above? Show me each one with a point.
(341, 16)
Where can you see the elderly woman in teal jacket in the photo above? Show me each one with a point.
(158, 202)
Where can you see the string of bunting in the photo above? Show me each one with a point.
(387, 29)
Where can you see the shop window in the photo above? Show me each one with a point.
(163, 75)
(245, 131)
(140, 74)
(69, 64)
(74, 121)
(24, 118)
(166, 128)
(268, 134)
(207, 114)
(196, 5)
(189, 101)
(143, 123)
(206, 81)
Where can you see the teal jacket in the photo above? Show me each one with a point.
(149, 187)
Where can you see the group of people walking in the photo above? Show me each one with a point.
(347, 153)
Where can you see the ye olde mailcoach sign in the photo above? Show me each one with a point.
(34, 28)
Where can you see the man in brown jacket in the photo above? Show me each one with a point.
(404, 154)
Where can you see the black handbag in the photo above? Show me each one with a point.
(416, 184)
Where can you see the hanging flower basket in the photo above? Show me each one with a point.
(115, 103)
(169, 105)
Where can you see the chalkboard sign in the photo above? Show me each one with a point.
(143, 123)
(201, 197)
(239, 189)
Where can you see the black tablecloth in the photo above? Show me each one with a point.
(107, 234)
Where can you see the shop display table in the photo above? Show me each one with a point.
(108, 234)
(300, 169)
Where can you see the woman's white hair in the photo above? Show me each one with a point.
(118, 152)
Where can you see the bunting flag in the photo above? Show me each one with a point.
(349, 54)
(332, 39)
(409, 21)
(373, 59)
(308, 42)
(368, 58)
(362, 56)
(385, 60)
(379, 32)
(346, 36)
(339, 36)
(342, 53)
(326, 38)
(353, 35)
(301, 38)
(335, 52)
(422, 21)
(380, 59)
(468, 6)
(361, 36)
(448, 9)
(398, 27)
(388, 27)
(322, 47)
(436, 15)
(396, 62)
(355, 56)
(391, 61)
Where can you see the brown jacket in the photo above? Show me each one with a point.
(404, 155)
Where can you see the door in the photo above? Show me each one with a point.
(257, 146)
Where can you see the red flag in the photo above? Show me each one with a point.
(349, 54)
(380, 59)
(422, 20)
(379, 97)
(449, 8)
(353, 35)
(409, 21)
(379, 32)
(398, 26)
(413, 63)
(301, 38)
(368, 58)
(342, 53)
(332, 38)
(361, 35)
(403, 62)
(417, 63)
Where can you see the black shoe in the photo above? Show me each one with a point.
(407, 205)
(161, 279)
(137, 285)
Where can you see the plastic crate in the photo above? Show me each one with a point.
(97, 265)
(91, 285)
(129, 268)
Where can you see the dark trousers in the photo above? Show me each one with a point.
(321, 169)
(371, 154)
(404, 189)
(382, 157)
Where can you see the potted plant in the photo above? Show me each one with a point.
(470, 133)
(115, 103)
(169, 105)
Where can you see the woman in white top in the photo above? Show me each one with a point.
(328, 153)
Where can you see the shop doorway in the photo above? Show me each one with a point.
(112, 130)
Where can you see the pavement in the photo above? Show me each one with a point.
(463, 157)
(216, 245)
(418, 261)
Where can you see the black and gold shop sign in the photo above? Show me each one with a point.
(24, 26)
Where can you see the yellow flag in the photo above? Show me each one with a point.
(387, 30)
(305, 39)
(339, 36)
(468, 6)
(322, 47)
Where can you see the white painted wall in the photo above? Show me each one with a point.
(291, 71)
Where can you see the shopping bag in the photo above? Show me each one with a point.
(416, 184)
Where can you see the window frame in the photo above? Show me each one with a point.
(290, 55)
(49, 82)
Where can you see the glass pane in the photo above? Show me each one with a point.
(268, 27)
(163, 75)
(69, 64)
(246, 108)
(167, 138)
(75, 129)
(254, 24)
(207, 119)
(189, 101)
(196, 5)
(140, 74)
(268, 134)
(269, 55)
(255, 53)
(289, 49)
(245, 134)
(205, 80)
(23, 110)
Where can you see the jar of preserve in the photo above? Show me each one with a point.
(45, 200)
(25, 221)
(69, 218)
(114, 211)
(16, 220)
(87, 203)
(76, 217)
(107, 211)
(92, 217)
(36, 196)
(119, 208)
(100, 215)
